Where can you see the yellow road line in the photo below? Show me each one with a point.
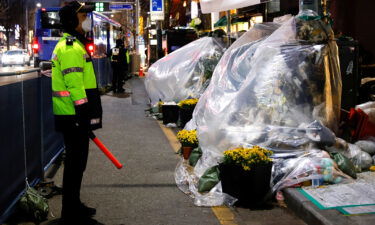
(170, 136)
(222, 213)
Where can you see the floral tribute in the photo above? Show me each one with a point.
(188, 138)
(247, 157)
(188, 103)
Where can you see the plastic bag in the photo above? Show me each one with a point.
(344, 164)
(34, 205)
(209, 179)
(195, 156)
(364, 106)
(313, 165)
(361, 160)
(369, 109)
(366, 146)
(185, 72)
(187, 182)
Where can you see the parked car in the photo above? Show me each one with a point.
(15, 57)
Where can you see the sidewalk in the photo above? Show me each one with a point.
(143, 191)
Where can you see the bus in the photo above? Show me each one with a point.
(48, 31)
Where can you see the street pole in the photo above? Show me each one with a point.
(27, 27)
(228, 27)
(137, 26)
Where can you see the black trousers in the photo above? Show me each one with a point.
(118, 77)
(76, 154)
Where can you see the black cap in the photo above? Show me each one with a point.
(77, 7)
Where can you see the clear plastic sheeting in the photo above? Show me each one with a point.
(282, 92)
(231, 71)
(187, 182)
(315, 165)
(268, 93)
(185, 72)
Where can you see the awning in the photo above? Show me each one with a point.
(239, 19)
(235, 19)
(104, 18)
(209, 6)
(221, 22)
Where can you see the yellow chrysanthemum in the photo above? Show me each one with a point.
(188, 102)
(187, 137)
(247, 157)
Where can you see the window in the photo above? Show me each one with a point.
(14, 53)
(51, 20)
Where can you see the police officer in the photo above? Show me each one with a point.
(120, 65)
(76, 105)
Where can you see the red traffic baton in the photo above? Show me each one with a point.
(105, 150)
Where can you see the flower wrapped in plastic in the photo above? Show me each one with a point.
(281, 91)
(185, 72)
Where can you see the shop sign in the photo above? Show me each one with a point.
(157, 10)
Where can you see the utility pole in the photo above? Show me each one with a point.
(228, 26)
(27, 26)
(137, 7)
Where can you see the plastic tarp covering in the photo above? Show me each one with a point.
(185, 72)
(209, 6)
(311, 165)
(187, 180)
(281, 92)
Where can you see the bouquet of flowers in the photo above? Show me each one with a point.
(247, 157)
(188, 138)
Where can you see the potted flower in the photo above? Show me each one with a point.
(245, 174)
(188, 140)
(186, 110)
(170, 111)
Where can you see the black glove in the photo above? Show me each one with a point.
(82, 117)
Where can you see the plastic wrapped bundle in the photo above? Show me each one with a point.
(356, 153)
(247, 44)
(260, 94)
(282, 92)
(315, 165)
(185, 72)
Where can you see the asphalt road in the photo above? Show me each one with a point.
(144, 191)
